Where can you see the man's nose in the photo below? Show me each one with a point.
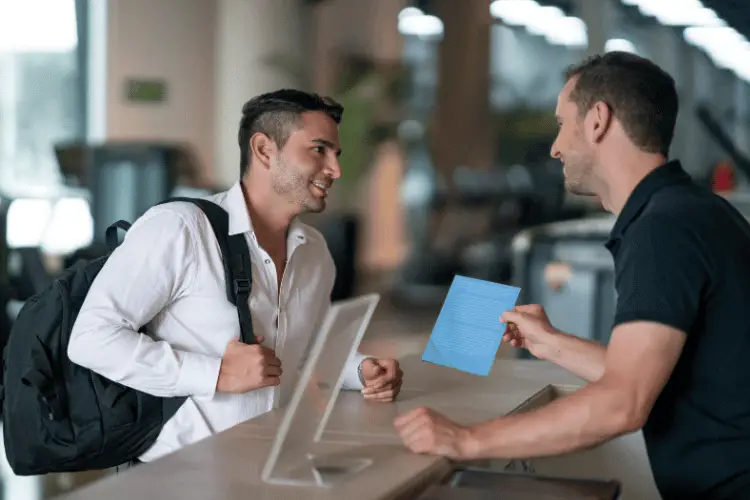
(333, 169)
(555, 151)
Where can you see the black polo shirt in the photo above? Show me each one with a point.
(682, 258)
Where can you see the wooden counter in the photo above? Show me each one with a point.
(228, 465)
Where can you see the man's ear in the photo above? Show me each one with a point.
(262, 149)
(598, 122)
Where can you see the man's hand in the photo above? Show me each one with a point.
(246, 367)
(529, 328)
(425, 431)
(382, 379)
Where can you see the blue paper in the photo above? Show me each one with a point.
(468, 330)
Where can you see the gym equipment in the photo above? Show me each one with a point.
(516, 197)
(125, 181)
(724, 140)
(565, 267)
(739, 198)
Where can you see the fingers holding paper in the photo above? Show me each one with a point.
(383, 379)
(426, 431)
(528, 328)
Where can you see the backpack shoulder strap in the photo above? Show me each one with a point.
(237, 267)
(111, 234)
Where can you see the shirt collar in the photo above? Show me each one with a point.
(669, 174)
(239, 219)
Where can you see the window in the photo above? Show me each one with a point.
(41, 102)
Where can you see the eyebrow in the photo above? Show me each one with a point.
(327, 144)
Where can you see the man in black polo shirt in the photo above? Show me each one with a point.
(678, 362)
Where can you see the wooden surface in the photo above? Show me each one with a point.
(228, 465)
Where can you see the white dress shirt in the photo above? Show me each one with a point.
(167, 274)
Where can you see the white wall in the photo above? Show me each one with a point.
(249, 33)
(171, 40)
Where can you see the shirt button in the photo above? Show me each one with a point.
(268, 261)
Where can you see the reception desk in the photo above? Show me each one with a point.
(228, 465)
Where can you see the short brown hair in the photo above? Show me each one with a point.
(274, 112)
(640, 94)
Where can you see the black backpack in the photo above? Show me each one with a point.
(61, 417)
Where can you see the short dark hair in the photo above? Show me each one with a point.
(641, 95)
(274, 114)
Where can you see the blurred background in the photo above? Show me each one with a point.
(110, 106)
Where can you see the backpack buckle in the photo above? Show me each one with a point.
(241, 286)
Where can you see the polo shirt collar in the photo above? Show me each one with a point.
(669, 174)
(239, 218)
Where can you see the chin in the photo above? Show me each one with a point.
(577, 189)
(315, 206)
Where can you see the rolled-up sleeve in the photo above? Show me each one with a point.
(661, 274)
(154, 266)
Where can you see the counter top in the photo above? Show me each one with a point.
(228, 465)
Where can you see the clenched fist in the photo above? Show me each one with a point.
(246, 367)
(383, 379)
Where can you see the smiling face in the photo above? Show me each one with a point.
(306, 167)
(570, 146)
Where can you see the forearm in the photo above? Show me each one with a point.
(590, 416)
(137, 361)
(583, 357)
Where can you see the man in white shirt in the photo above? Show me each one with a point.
(167, 274)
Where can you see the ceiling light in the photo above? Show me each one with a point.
(549, 22)
(621, 45)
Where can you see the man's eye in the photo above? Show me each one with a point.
(319, 149)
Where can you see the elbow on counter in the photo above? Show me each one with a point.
(623, 412)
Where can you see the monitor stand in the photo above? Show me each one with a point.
(296, 459)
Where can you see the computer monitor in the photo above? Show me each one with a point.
(293, 459)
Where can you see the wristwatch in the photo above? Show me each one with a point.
(359, 369)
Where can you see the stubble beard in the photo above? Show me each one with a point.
(292, 187)
(578, 183)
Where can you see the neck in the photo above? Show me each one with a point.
(623, 174)
(264, 210)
